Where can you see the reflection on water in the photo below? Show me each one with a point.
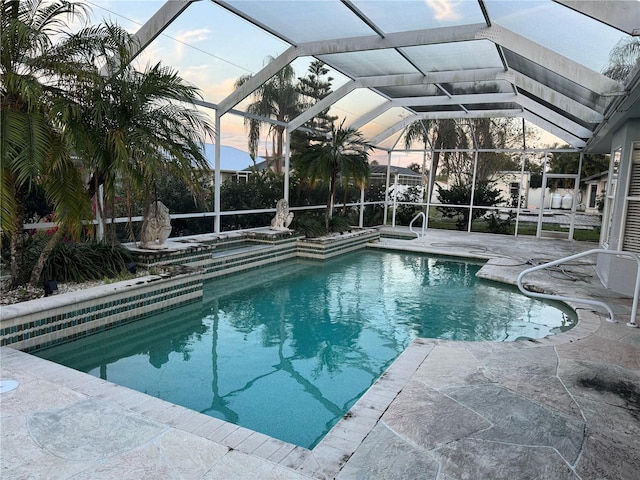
(288, 349)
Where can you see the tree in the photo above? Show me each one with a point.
(40, 83)
(568, 162)
(460, 194)
(277, 98)
(139, 126)
(623, 58)
(343, 153)
(313, 87)
(443, 133)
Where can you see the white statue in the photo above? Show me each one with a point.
(156, 227)
(283, 217)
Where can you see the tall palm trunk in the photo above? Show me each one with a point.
(36, 273)
(15, 246)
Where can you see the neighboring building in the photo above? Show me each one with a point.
(400, 175)
(508, 183)
(593, 190)
(235, 164)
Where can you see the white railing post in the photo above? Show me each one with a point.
(424, 221)
(634, 308)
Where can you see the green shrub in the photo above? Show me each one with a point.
(310, 225)
(339, 224)
(74, 261)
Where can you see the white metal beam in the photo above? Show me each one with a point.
(469, 99)
(355, 44)
(553, 117)
(478, 75)
(157, 23)
(554, 129)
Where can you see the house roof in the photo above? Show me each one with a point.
(231, 159)
(597, 176)
(396, 170)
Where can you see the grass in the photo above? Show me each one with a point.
(480, 226)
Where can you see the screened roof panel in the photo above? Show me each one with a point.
(492, 106)
(551, 106)
(454, 56)
(558, 28)
(436, 108)
(369, 63)
(556, 82)
(303, 21)
(417, 15)
(358, 103)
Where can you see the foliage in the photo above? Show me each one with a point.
(262, 190)
(41, 83)
(460, 194)
(499, 223)
(567, 162)
(72, 261)
(277, 98)
(73, 107)
(343, 154)
(339, 224)
(177, 197)
(140, 127)
(309, 224)
(313, 87)
(406, 213)
(623, 58)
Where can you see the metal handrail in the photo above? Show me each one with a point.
(424, 222)
(634, 308)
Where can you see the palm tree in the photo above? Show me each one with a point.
(344, 153)
(36, 76)
(623, 58)
(140, 126)
(439, 133)
(278, 98)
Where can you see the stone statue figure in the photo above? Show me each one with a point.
(283, 217)
(156, 227)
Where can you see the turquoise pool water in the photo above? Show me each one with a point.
(286, 350)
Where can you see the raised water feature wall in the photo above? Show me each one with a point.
(193, 260)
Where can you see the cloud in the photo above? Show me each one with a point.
(190, 37)
(444, 9)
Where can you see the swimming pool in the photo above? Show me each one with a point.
(287, 349)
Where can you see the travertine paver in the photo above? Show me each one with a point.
(400, 461)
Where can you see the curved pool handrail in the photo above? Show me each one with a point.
(634, 308)
(424, 222)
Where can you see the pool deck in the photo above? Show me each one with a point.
(562, 407)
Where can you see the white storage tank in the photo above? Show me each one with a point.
(567, 201)
(556, 200)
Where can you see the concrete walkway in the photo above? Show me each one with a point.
(562, 407)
